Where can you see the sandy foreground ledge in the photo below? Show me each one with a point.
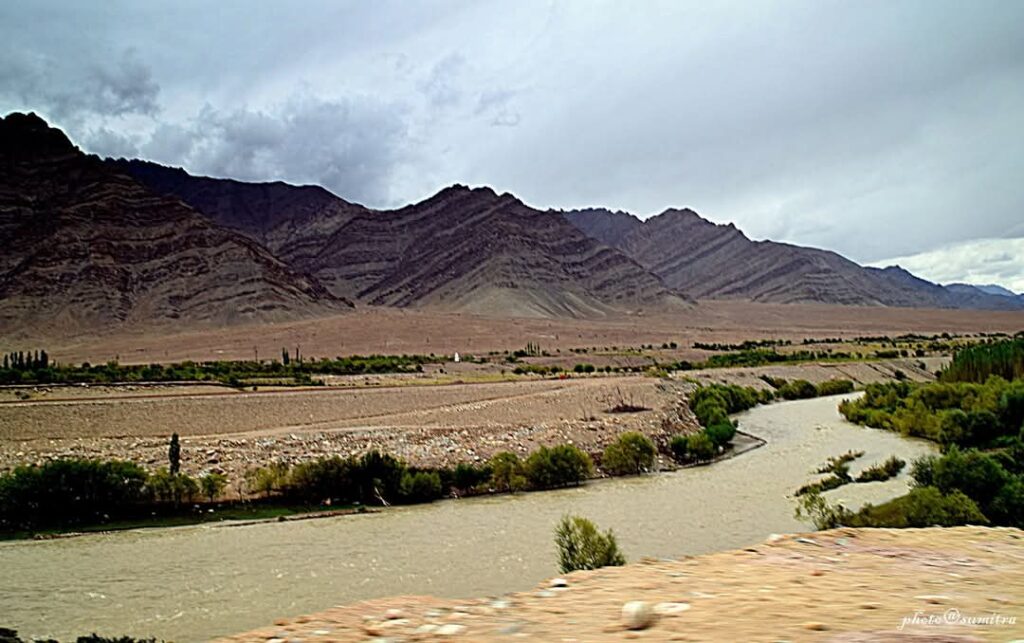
(850, 585)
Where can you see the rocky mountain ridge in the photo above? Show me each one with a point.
(715, 261)
(87, 247)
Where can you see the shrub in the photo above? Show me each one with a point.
(631, 453)
(710, 411)
(213, 485)
(814, 507)
(880, 472)
(922, 507)
(1007, 508)
(557, 466)
(71, 491)
(798, 390)
(835, 387)
(324, 479)
(507, 472)
(267, 480)
(420, 486)
(379, 476)
(582, 546)
(721, 433)
(467, 476)
(680, 447)
(700, 447)
(172, 487)
(977, 474)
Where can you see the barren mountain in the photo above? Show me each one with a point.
(707, 260)
(462, 249)
(86, 246)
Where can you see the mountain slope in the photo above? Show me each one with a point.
(464, 249)
(88, 247)
(707, 260)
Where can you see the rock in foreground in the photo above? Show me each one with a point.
(960, 584)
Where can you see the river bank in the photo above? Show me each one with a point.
(215, 579)
(963, 584)
(230, 431)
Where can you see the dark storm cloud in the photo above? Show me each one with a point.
(71, 89)
(879, 129)
(350, 145)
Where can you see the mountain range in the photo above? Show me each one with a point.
(95, 242)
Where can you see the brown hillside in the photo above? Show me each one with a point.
(85, 246)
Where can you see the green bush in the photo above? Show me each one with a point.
(172, 487)
(212, 485)
(631, 453)
(711, 411)
(680, 447)
(835, 387)
(507, 472)
(468, 476)
(721, 433)
(798, 390)
(700, 447)
(922, 507)
(950, 413)
(880, 472)
(582, 546)
(420, 486)
(558, 466)
(70, 492)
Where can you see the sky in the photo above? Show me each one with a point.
(889, 131)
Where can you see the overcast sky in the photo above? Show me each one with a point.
(877, 129)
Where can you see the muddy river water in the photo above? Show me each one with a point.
(193, 583)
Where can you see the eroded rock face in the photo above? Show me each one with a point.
(463, 248)
(706, 260)
(86, 247)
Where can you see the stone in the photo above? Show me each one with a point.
(558, 582)
(450, 629)
(815, 626)
(665, 609)
(511, 628)
(393, 614)
(638, 615)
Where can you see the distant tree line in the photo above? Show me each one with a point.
(37, 368)
(976, 415)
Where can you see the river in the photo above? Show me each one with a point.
(193, 583)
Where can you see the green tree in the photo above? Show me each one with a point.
(507, 472)
(631, 453)
(558, 466)
(420, 486)
(812, 506)
(582, 546)
(174, 455)
(213, 484)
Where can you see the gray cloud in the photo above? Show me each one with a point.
(351, 146)
(72, 89)
(979, 262)
(884, 128)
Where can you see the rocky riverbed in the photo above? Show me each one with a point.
(427, 426)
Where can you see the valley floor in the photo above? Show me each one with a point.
(423, 331)
(411, 416)
(873, 585)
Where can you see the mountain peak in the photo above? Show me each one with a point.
(28, 136)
